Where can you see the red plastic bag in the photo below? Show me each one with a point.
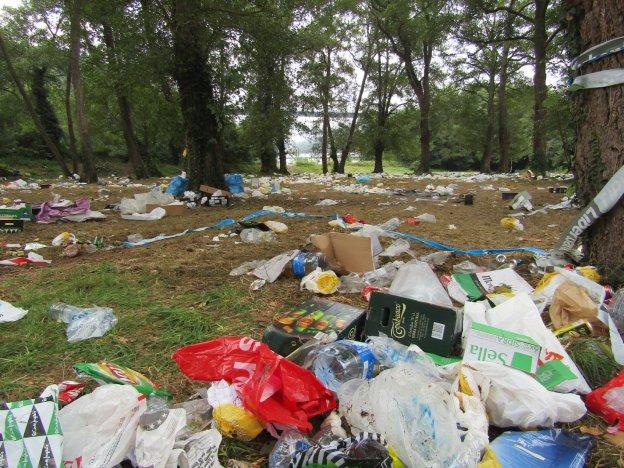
(275, 390)
(596, 402)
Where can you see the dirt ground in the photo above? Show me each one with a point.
(192, 270)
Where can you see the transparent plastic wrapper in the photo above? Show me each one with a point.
(330, 430)
(286, 446)
(390, 225)
(436, 258)
(255, 236)
(426, 218)
(398, 247)
(514, 398)
(379, 278)
(466, 267)
(100, 427)
(520, 315)
(327, 202)
(419, 417)
(84, 323)
(246, 267)
(416, 280)
(321, 282)
(390, 353)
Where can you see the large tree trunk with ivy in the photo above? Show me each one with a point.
(599, 128)
(44, 108)
(281, 149)
(488, 146)
(89, 173)
(71, 135)
(31, 109)
(540, 90)
(194, 78)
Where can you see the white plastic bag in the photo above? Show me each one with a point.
(273, 268)
(156, 436)
(157, 213)
(418, 416)
(198, 451)
(416, 280)
(100, 427)
(395, 249)
(514, 398)
(10, 313)
(520, 315)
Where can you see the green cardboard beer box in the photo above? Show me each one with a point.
(491, 344)
(24, 213)
(292, 329)
(432, 328)
(11, 226)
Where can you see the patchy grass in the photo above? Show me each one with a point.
(150, 327)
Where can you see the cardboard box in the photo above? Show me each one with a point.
(432, 328)
(172, 210)
(11, 226)
(491, 344)
(353, 253)
(24, 213)
(508, 195)
(289, 331)
(218, 197)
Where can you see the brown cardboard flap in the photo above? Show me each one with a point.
(211, 191)
(354, 253)
(172, 210)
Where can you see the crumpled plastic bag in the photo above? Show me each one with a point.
(395, 249)
(100, 427)
(95, 322)
(570, 303)
(10, 313)
(274, 389)
(156, 436)
(198, 451)
(157, 213)
(321, 282)
(273, 268)
(514, 398)
(416, 280)
(608, 401)
(520, 315)
(419, 416)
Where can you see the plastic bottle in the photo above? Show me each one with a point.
(305, 263)
(391, 224)
(341, 361)
(255, 236)
(67, 313)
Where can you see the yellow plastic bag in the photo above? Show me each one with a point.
(322, 282)
(590, 272)
(512, 223)
(236, 421)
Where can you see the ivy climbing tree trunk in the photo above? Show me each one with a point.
(31, 109)
(194, 78)
(281, 149)
(540, 90)
(599, 128)
(71, 135)
(503, 117)
(89, 173)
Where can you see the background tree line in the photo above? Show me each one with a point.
(212, 85)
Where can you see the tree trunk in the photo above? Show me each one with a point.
(132, 145)
(31, 110)
(194, 78)
(70, 125)
(347, 148)
(281, 149)
(333, 151)
(379, 147)
(425, 107)
(599, 129)
(89, 173)
(486, 160)
(504, 146)
(324, 142)
(540, 90)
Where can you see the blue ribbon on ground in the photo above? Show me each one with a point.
(286, 214)
(449, 248)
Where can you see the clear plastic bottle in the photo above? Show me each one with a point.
(341, 361)
(67, 313)
(255, 236)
